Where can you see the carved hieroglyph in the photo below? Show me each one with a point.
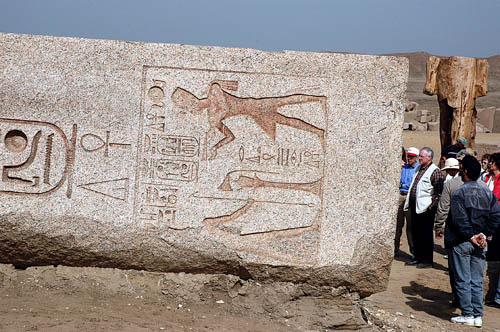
(200, 159)
(245, 170)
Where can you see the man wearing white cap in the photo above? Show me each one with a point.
(404, 184)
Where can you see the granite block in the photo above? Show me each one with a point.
(425, 118)
(433, 126)
(273, 166)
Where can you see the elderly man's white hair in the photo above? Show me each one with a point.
(428, 151)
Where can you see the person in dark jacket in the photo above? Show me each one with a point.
(451, 151)
(475, 215)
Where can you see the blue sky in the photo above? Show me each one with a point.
(441, 27)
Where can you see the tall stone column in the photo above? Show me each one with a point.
(457, 82)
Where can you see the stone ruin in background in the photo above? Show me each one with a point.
(200, 159)
(419, 120)
(488, 119)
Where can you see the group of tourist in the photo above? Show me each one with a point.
(460, 202)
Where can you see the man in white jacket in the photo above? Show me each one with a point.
(422, 201)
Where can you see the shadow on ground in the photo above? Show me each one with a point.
(434, 302)
(405, 257)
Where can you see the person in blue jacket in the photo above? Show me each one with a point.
(404, 184)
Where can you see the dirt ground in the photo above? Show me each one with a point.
(94, 299)
(91, 299)
(420, 299)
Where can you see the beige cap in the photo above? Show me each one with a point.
(451, 163)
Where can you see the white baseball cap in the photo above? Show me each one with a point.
(412, 151)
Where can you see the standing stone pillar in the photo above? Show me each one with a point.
(457, 81)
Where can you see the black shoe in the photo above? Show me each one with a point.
(493, 304)
(397, 253)
(413, 262)
(424, 265)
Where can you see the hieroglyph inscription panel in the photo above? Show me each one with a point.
(30, 166)
(243, 165)
(39, 158)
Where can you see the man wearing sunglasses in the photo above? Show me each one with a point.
(404, 184)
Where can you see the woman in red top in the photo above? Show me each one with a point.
(495, 167)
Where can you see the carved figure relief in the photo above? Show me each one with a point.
(222, 105)
(247, 170)
(258, 196)
(29, 164)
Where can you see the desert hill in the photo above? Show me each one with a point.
(418, 61)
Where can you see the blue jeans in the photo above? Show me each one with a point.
(497, 295)
(451, 273)
(468, 264)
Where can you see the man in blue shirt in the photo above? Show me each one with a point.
(404, 184)
(475, 215)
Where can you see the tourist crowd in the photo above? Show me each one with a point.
(460, 202)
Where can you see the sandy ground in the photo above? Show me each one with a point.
(90, 299)
(420, 299)
(93, 299)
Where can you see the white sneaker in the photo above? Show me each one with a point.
(478, 321)
(467, 320)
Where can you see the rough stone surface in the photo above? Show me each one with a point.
(411, 106)
(433, 126)
(420, 120)
(489, 117)
(200, 159)
(425, 118)
(155, 297)
(490, 282)
(481, 129)
(420, 126)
